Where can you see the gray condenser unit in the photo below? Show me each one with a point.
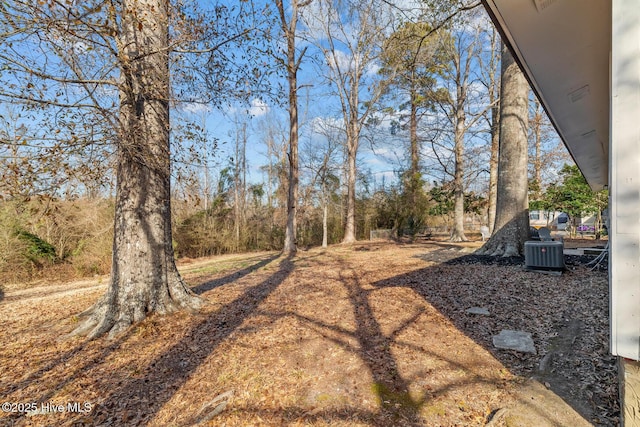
(544, 255)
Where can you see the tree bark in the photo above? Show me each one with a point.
(494, 95)
(459, 122)
(414, 181)
(512, 214)
(537, 150)
(144, 277)
(493, 167)
(413, 135)
(353, 136)
(290, 240)
(457, 235)
(325, 239)
(292, 66)
(353, 142)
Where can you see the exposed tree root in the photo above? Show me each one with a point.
(457, 238)
(508, 240)
(113, 316)
(499, 249)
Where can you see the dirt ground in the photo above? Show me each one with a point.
(374, 334)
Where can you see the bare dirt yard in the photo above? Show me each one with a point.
(374, 334)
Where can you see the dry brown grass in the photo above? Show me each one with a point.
(348, 336)
(79, 230)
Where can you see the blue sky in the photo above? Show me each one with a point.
(318, 104)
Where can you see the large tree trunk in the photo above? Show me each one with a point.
(493, 167)
(414, 179)
(494, 95)
(290, 240)
(144, 277)
(512, 214)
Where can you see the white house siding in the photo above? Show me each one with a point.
(624, 180)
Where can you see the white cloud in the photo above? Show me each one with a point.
(324, 125)
(258, 107)
(339, 59)
(194, 107)
(372, 69)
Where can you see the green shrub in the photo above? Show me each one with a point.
(55, 239)
(37, 249)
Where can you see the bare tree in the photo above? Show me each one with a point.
(492, 79)
(239, 180)
(460, 108)
(292, 66)
(322, 163)
(512, 214)
(546, 151)
(351, 37)
(275, 140)
(80, 60)
(144, 275)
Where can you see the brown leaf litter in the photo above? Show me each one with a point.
(375, 334)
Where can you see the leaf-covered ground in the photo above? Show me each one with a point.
(374, 334)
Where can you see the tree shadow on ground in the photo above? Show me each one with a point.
(59, 362)
(545, 305)
(97, 358)
(169, 371)
(212, 284)
(396, 404)
(374, 347)
(136, 399)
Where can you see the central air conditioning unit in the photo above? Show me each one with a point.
(546, 255)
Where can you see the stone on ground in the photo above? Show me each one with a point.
(514, 340)
(478, 310)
